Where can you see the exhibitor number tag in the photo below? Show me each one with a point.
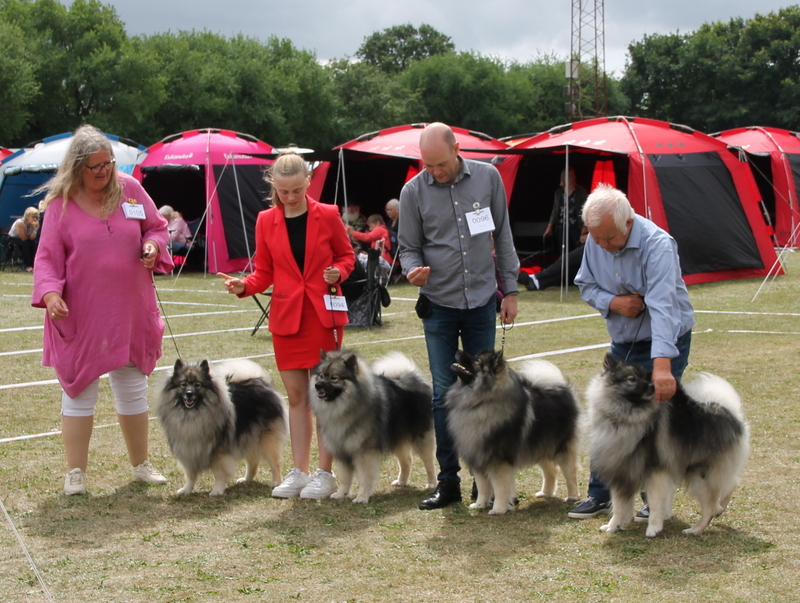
(133, 212)
(479, 221)
(337, 303)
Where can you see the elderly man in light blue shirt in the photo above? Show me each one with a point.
(631, 274)
(451, 213)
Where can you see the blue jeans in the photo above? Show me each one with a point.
(476, 329)
(639, 353)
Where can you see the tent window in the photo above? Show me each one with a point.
(246, 183)
(704, 213)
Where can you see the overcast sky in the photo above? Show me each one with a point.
(512, 29)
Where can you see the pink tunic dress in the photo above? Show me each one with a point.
(95, 265)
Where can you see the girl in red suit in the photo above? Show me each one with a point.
(303, 250)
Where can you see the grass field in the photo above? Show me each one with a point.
(132, 542)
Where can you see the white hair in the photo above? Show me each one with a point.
(606, 200)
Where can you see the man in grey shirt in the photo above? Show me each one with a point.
(451, 212)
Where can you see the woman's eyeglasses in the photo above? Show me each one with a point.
(96, 169)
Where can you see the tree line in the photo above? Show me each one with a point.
(64, 66)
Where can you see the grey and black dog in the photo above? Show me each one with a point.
(699, 437)
(502, 420)
(216, 415)
(365, 412)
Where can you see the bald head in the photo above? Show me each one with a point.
(439, 151)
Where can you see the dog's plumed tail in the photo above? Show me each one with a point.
(395, 365)
(542, 373)
(709, 389)
(239, 371)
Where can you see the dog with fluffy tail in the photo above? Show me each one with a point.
(698, 437)
(366, 411)
(502, 420)
(216, 415)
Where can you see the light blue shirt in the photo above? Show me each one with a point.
(434, 232)
(648, 265)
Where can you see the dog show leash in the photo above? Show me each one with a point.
(164, 316)
(506, 328)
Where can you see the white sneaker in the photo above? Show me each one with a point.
(322, 485)
(75, 482)
(292, 484)
(146, 473)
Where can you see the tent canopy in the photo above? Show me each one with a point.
(774, 158)
(213, 178)
(685, 181)
(371, 169)
(33, 165)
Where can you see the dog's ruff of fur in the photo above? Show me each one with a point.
(502, 420)
(699, 438)
(366, 412)
(215, 415)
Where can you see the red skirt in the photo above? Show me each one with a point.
(301, 350)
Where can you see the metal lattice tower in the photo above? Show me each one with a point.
(587, 68)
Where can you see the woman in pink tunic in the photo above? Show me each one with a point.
(102, 238)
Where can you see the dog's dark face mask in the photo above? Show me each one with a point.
(468, 368)
(631, 382)
(190, 380)
(334, 373)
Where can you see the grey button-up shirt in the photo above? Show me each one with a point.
(434, 232)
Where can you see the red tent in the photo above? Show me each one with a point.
(211, 177)
(371, 169)
(685, 181)
(774, 157)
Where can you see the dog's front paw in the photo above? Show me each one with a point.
(399, 484)
(339, 494)
(431, 485)
(361, 500)
(500, 510)
(183, 491)
(571, 499)
(543, 494)
(610, 528)
(215, 492)
(478, 506)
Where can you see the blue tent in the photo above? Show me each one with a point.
(35, 164)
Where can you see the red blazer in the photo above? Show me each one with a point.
(327, 244)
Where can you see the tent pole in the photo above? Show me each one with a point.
(565, 230)
(241, 215)
(344, 181)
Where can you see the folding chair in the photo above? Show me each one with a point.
(9, 252)
(264, 309)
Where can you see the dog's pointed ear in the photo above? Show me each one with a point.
(498, 362)
(322, 354)
(351, 361)
(610, 363)
(204, 366)
(178, 365)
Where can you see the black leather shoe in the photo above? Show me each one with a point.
(446, 493)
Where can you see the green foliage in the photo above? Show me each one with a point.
(18, 84)
(395, 48)
(65, 66)
(724, 75)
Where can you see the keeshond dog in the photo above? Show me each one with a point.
(502, 420)
(699, 437)
(365, 412)
(216, 415)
